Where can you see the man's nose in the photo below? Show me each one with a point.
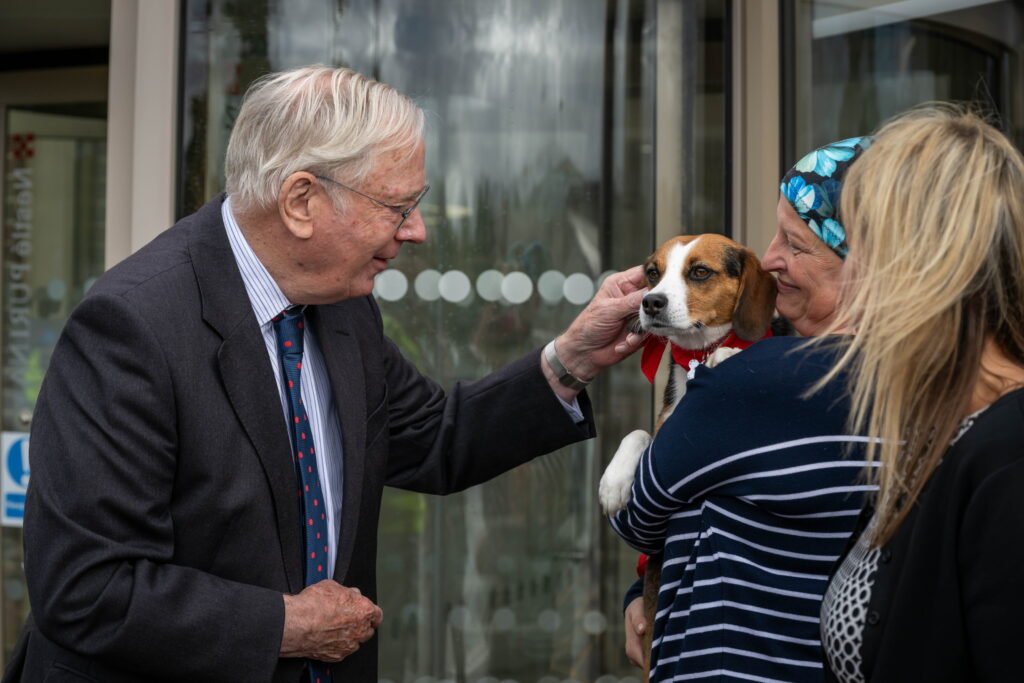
(653, 303)
(414, 229)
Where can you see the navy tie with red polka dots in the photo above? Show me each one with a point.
(288, 328)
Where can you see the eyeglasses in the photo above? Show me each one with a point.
(404, 213)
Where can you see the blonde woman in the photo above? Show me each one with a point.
(934, 285)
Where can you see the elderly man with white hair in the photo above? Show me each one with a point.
(223, 410)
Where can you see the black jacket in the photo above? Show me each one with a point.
(948, 598)
(161, 526)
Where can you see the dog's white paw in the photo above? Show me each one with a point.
(721, 354)
(617, 480)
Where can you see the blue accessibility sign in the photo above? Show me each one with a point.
(14, 479)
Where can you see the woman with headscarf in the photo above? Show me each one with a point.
(933, 589)
(750, 488)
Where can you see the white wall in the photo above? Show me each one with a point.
(142, 123)
(756, 124)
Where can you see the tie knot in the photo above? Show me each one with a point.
(288, 326)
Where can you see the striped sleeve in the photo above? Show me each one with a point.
(643, 521)
(746, 430)
(750, 492)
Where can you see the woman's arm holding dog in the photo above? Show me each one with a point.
(708, 441)
(635, 627)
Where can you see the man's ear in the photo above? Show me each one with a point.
(297, 203)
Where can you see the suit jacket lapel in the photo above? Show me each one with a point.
(248, 377)
(345, 368)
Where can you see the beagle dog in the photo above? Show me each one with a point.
(708, 298)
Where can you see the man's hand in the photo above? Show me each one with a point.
(327, 622)
(635, 627)
(599, 336)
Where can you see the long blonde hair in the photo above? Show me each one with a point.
(934, 214)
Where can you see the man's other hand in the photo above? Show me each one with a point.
(327, 622)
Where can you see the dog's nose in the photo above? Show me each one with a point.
(654, 303)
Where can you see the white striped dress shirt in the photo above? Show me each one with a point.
(267, 301)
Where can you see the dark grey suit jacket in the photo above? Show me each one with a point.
(162, 524)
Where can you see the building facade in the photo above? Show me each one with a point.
(565, 140)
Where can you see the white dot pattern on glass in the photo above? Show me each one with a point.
(513, 288)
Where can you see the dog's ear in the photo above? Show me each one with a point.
(755, 302)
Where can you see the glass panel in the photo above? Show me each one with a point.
(702, 181)
(54, 193)
(858, 63)
(541, 149)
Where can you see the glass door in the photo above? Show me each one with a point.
(53, 245)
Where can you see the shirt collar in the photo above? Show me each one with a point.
(266, 297)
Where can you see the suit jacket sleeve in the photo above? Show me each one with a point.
(441, 443)
(99, 536)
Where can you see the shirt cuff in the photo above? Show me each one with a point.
(573, 409)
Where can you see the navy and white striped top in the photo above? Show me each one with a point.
(752, 490)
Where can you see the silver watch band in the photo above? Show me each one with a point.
(565, 378)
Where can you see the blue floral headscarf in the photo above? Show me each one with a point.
(812, 187)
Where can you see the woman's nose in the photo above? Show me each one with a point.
(772, 260)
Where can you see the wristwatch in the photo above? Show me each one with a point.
(565, 378)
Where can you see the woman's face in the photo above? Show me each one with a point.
(808, 273)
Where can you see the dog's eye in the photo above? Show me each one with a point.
(652, 274)
(700, 273)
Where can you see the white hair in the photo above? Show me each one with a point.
(325, 120)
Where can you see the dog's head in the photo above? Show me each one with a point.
(701, 286)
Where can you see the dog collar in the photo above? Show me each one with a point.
(654, 350)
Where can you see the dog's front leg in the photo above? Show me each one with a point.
(617, 480)
(721, 354)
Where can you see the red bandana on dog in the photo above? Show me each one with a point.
(654, 349)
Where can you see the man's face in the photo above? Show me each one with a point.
(808, 273)
(350, 248)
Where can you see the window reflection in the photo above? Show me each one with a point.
(53, 191)
(857, 64)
